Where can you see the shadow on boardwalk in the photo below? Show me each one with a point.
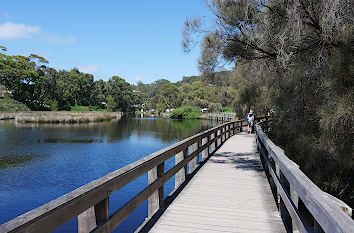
(245, 161)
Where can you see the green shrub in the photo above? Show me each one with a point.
(77, 108)
(226, 109)
(186, 112)
(10, 105)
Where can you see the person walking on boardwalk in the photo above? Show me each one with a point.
(250, 121)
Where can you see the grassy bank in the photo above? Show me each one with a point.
(62, 117)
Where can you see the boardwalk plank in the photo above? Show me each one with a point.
(230, 193)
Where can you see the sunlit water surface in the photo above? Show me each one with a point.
(40, 162)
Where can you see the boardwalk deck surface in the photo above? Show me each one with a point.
(230, 193)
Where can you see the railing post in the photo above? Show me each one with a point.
(295, 199)
(102, 211)
(155, 201)
(194, 162)
(219, 139)
(277, 170)
(210, 147)
(241, 130)
(205, 152)
(216, 141)
(86, 221)
(94, 216)
(266, 125)
(284, 213)
(180, 176)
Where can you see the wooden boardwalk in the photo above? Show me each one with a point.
(230, 193)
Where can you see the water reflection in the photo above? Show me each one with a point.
(8, 161)
(163, 129)
(40, 162)
(64, 140)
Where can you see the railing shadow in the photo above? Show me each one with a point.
(245, 161)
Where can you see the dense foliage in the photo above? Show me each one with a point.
(193, 91)
(9, 105)
(295, 57)
(39, 87)
(186, 112)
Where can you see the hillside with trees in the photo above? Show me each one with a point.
(295, 57)
(192, 91)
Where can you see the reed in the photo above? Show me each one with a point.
(66, 117)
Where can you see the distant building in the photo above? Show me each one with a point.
(204, 110)
(169, 110)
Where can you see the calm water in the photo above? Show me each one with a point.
(39, 163)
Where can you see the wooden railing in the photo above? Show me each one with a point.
(222, 116)
(302, 205)
(90, 203)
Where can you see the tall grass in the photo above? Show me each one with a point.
(66, 117)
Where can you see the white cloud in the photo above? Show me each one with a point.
(11, 30)
(89, 69)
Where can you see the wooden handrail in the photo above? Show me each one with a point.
(293, 185)
(91, 201)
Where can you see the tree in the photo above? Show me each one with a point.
(297, 57)
(121, 91)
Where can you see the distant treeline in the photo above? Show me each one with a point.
(28, 80)
(191, 91)
(27, 83)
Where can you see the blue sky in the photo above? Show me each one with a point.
(132, 39)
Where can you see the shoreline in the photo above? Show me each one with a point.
(59, 117)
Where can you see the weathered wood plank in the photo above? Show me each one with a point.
(194, 162)
(180, 176)
(329, 216)
(229, 193)
(205, 152)
(102, 211)
(86, 221)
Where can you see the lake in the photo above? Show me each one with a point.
(40, 162)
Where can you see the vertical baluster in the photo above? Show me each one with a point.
(155, 201)
(180, 175)
(205, 152)
(218, 140)
(86, 221)
(94, 216)
(194, 162)
(284, 213)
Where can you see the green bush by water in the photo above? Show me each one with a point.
(186, 112)
(10, 105)
(77, 108)
(227, 109)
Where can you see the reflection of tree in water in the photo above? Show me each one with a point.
(163, 129)
(166, 130)
(8, 161)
